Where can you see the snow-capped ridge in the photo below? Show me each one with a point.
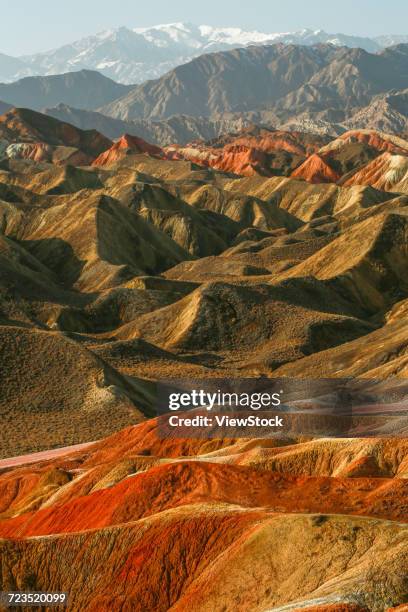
(134, 55)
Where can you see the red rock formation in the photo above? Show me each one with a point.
(243, 160)
(250, 153)
(377, 140)
(297, 143)
(386, 172)
(127, 145)
(176, 484)
(316, 170)
(127, 522)
(237, 158)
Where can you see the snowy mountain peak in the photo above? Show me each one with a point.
(170, 34)
(133, 55)
(233, 36)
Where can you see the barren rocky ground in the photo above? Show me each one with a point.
(259, 254)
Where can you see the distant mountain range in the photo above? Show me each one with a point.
(4, 107)
(322, 89)
(136, 55)
(179, 129)
(284, 80)
(86, 89)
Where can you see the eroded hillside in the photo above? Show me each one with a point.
(141, 263)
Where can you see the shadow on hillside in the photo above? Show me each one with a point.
(58, 256)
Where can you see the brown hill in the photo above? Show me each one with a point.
(252, 325)
(24, 125)
(381, 353)
(310, 201)
(371, 263)
(110, 245)
(82, 392)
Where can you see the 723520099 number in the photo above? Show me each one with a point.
(23, 598)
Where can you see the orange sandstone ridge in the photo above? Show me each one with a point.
(127, 145)
(125, 513)
(378, 140)
(253, 152)
(387, 172)
(316, 170)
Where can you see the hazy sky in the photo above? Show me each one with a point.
(28, 26)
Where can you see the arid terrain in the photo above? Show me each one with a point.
(260, 252)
